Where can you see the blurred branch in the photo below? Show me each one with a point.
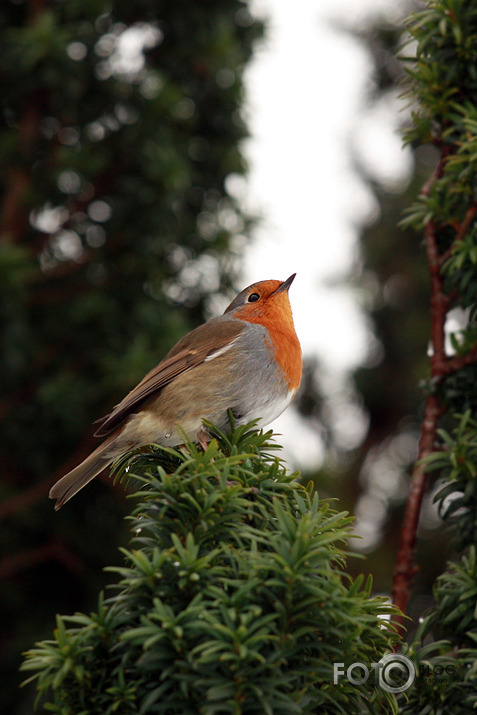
(13, 209)
(464, 226)
(459, 361)
(53, 550)
(21, 501)
(14, 214)
(24, 499)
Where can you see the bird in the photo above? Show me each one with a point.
(247, 361)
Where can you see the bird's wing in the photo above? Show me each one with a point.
(192, 350)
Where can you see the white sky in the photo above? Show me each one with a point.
(307, 108)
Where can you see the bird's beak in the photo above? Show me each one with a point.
(286, 284)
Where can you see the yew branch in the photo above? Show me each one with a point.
(441, 365)
(406, 569)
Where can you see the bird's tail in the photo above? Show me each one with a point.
(71, 483)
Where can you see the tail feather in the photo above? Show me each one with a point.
(80, 476)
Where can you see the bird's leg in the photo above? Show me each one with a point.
(203, 439)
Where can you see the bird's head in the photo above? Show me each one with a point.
(263, 302)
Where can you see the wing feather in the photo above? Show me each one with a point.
(192, 350)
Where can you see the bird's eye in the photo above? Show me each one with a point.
(253, 297)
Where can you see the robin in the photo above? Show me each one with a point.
(247, 360)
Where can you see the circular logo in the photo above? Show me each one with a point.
(396, 673)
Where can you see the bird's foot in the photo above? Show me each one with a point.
(203, 439)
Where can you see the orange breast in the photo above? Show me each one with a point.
(288, 354)
(277, 317)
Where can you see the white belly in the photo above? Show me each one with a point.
(269, 410)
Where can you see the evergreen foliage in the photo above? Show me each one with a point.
(444, 85)
(232, 598)
(447, 662)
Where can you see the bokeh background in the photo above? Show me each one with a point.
(155, 158)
